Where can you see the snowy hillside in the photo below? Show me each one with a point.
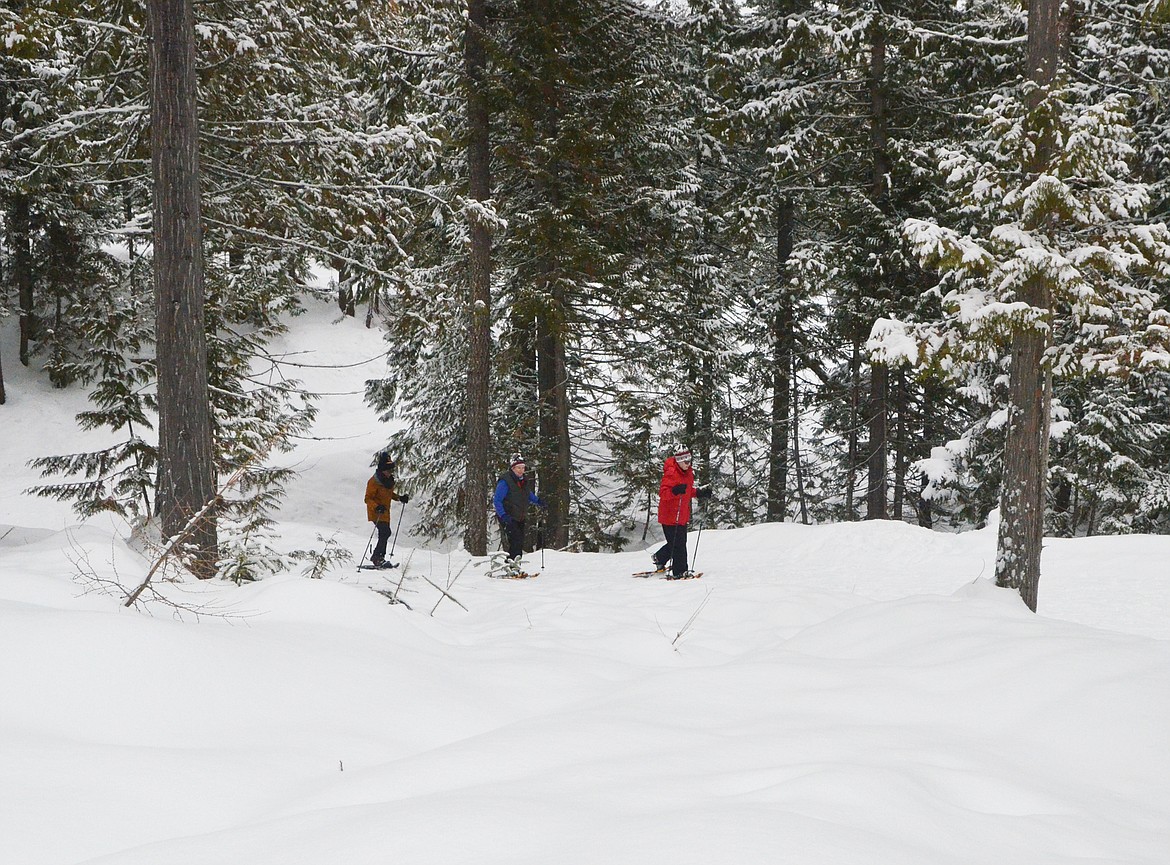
(835, 694)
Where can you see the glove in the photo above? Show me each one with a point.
(505, 520)
(679, 489)
(540, 504)
(703, 492)
(404, 498)
(380, 509)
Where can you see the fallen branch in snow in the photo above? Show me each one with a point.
(450, 583)
(691, 620)
(446, 594)
(405, 568)
(87, 575)
(392, 594)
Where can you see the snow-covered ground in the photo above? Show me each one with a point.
(835, 694)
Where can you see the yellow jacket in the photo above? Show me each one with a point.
(378, 493)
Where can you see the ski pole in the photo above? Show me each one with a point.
(368, 544)
(698, 537)
(540, 538)
(397, 529)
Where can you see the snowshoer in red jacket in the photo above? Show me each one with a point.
(674, 510)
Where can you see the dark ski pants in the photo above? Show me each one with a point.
(512, 534)
(674, 550)
(379, 555)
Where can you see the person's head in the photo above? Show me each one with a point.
(385, 469)
(682, 455)
(516, 464)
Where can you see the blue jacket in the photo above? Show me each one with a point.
(512, 498)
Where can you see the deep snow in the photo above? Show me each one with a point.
(832, 694)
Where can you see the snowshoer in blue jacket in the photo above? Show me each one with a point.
(511, 501)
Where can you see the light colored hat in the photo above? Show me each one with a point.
(516, 458)
(682, 452)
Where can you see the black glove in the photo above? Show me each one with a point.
(404, 498)
(505, 520)
(380, 509)
(678, 489)
(703, 492)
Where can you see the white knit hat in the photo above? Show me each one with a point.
(681, 451)
(516, 458)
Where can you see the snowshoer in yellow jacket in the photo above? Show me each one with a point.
(379, 494)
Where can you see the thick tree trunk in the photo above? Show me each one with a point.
(783, 350)
(479, 264)
(552, 376)
(876, 500)
(1021, 527)
(1025, 475)
(186, 457)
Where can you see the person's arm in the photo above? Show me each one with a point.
(670, 480)
(498, 498)
(372, 500)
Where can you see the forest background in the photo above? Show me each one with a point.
(790, 234)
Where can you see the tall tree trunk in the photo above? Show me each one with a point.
(186, 456)
(554, 420)
(1025, 475)
(783, 350)
(1021, 528)
(22, 266)
(877, 467)
(479, 275)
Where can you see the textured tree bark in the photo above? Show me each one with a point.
(1025, 475)
(479, 265)
(186, 457)
(552, 377)
(1025, 471)
(877, 463)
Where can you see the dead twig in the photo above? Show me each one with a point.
(691, 620)
(445, 593)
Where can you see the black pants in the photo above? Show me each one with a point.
(379, 555)
(674, 550)
(513, 536)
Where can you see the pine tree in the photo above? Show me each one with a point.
(1051, 272)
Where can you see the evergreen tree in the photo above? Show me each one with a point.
(1057, 257)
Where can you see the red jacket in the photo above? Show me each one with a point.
(675, 510)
